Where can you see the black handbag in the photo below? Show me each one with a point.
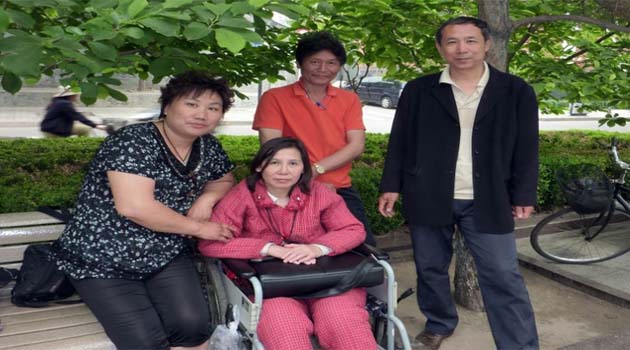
(39, 281)
(332, 275)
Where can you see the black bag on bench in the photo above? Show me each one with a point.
(39, 281)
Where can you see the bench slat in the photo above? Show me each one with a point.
(31, 338)
(41, 233)
(12, 253)
(8, 310)
(30, 218)
(46, 325)
(87, 342)
(75, 310)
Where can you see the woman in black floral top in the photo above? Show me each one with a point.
(148, 193)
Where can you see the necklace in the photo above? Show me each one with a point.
(316, 102)
(183, 159)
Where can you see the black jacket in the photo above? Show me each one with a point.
(424, 143)
(60, 116)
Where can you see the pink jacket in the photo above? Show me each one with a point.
(320, 217)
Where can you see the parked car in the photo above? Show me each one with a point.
(381, 92)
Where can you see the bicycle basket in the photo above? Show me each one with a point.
(585, 187)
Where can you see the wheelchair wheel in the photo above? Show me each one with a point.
(569, 237)
(215, 290)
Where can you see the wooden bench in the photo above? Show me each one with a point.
(56, 327)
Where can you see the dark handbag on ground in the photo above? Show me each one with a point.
(39, 281)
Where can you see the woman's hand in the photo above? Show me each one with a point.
(215, 231)
(201, 209)
(301, 254)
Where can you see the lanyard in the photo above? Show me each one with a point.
(276, 228)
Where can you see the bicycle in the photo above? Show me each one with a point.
(582, 235)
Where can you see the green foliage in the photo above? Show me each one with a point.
(89, 41)
(36, 172)
(566, 61)
(43, 172)
(575, 62)
(366, 180)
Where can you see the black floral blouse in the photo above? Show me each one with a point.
(99, 243)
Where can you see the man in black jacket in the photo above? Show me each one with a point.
(463, 151)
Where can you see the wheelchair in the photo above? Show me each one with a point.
(243, 284)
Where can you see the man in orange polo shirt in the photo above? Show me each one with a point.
(327, 119)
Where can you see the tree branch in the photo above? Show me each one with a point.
(573, 18)
(583, 51)
(530, 29)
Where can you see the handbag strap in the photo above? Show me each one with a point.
(62, 215)
(7, 275)
(349, 281)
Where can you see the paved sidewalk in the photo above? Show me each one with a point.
(569, 316)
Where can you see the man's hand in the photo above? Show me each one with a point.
(386, 203)
(520, 212)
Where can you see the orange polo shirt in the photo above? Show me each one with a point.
(321, 128)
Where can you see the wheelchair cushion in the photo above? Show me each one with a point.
(289, 280)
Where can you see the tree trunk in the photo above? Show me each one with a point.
(618, 8)
(497, 14)
(467, 292)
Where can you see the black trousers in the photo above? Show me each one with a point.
(166, 310)
(355, 205)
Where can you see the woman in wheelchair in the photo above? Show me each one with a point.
(278, 212)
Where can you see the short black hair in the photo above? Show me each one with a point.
(314, 42)
(195, 83)
(481, 24)
(268, 150)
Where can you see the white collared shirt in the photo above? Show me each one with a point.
(466, 111)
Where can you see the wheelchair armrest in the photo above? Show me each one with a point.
(240, 267)
(367, 250)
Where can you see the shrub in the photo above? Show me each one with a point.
(37, 172)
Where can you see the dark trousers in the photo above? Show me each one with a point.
(164, 311)
(505, 296)
(355, 205)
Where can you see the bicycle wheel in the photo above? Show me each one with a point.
(572, 238)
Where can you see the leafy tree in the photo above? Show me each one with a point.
(89, 41)
(570, 51)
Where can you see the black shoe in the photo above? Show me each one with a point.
(428, 340)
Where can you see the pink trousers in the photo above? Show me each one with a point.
(340, 322)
